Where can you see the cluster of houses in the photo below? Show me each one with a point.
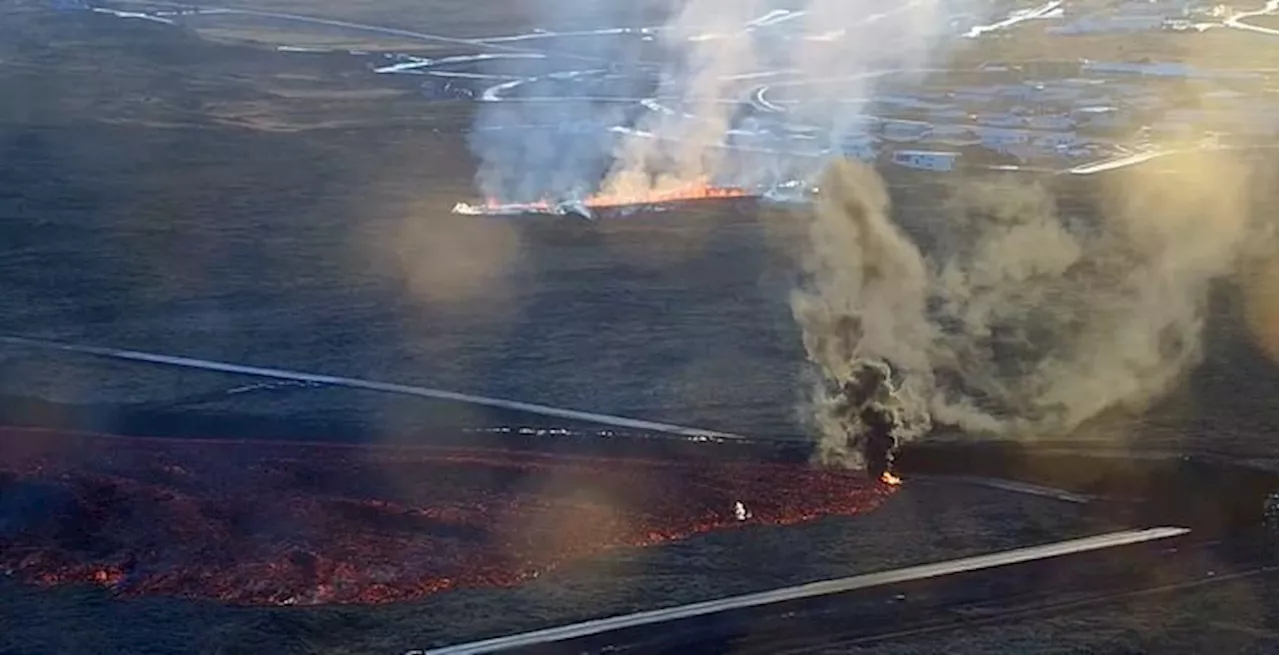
(1072, 119)
(1139, 16)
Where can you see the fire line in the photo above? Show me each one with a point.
(682, 193)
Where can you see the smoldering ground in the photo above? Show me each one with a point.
(1022, 321)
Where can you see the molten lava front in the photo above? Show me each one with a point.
(289, 522)
(693, 191)
(609, 200)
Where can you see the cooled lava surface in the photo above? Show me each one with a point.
(304, 523)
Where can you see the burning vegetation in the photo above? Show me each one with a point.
(612, 200)
(300, 523)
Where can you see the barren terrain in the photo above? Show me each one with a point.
(201, 193)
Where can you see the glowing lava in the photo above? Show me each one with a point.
(303, 523)
(698, 190)
(678, 193)
(890, 479)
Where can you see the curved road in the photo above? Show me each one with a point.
(371, 385)
(1272, 6)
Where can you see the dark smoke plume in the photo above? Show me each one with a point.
(1025, 323)
(860, 317)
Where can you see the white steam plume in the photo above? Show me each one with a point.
(1028, 323)
(819, 59)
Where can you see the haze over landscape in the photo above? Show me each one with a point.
(713, 252)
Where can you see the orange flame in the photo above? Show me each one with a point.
(697, 190)
(890, 479)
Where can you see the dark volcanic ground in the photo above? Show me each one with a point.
(333, 251)
(920, 523)
(288, 522)
(154, 224)
(327, 252)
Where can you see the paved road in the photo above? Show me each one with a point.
(369, 385)
(484, 44)
(604, 627)
(1235, 21)
(1149, 574)
(902, 603)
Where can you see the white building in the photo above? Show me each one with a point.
(1050, 122)
(929, 160)
(1099, 116)
(1109, 24)
(1056, 140)
(1000, 138)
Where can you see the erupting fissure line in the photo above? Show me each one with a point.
(688, 192)
(371, 385)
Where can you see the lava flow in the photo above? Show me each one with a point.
(698, 190)
(305, 523)
(611, 200)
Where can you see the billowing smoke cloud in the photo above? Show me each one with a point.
(865, 310)
(1022, 321)
(558, 146)
(1259, 281)
(678, 115)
